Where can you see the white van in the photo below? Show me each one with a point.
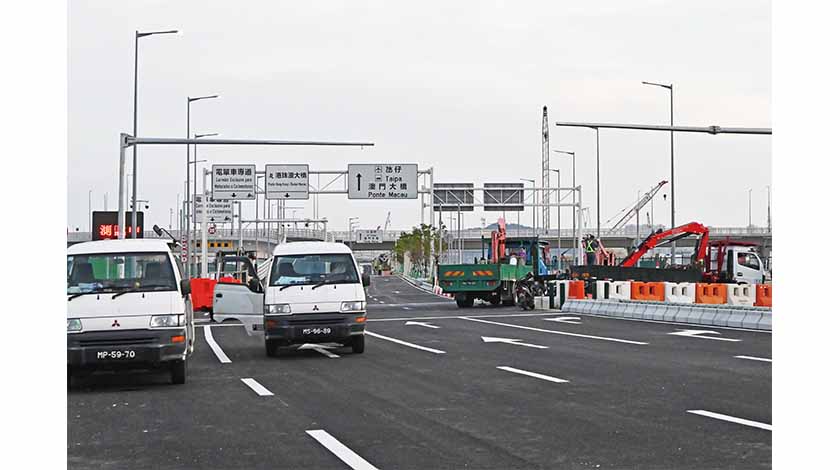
(314, 293)
(127, 307)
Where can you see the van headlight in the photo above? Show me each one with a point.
(355, 306)
(278, 309)
(166, 321)
(73, 325)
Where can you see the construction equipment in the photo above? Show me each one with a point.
(636, 208)
(661, 237)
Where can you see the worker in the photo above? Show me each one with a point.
(590, 245)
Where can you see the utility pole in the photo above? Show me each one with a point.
(546, 172)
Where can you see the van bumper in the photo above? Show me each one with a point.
(125, 349)
(313, 328)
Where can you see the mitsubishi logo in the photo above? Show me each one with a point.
(116, 324)
(315, 308)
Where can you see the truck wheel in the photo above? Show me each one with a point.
(178, 372)
(509, 301)
(495, 299)
(464, 301)
(358, 344)
(270, 348)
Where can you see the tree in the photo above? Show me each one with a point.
(418, 244)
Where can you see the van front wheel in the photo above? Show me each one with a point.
(178, 372)
(358, 344)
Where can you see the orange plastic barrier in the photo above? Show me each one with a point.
(710, 293)
(647, 291)
(201, 293)
(229, 280)
(764, 295)
(576, 290)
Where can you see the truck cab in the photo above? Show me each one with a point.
(730, 261)
(127, 308)
(314, 293)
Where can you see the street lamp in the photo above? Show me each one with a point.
(670, 89)
(749, 209)
(574, 200)
(597, 182)
(189, 102)
(534, 199)
(137, 36)
(558, 217)
(90, 214)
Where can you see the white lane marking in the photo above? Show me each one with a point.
(396, 292)
(745, 422)
(570, 320)
(381, 301)
(418, 304)
(700, 333)
(257, 387)
(404, 343)
(420, 323)
(406, 308)
(423, 290)
(603, 338)
(532, 374)
(753, 358)
(321, 348)
(449, 317)
(352, 459)
(518, 342)
(208, 336)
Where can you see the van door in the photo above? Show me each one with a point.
(239, 302)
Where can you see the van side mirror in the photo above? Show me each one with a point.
(365, 280)
(254, 285)
(185, 287)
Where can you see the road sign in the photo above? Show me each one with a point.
(234, 181)
(382, 181)
(105, 226)
(454, 197)
(217, 211)
(368, 236)
(503, 199)
(211, 229)
(287, 181)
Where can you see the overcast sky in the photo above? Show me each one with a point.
(459, 86)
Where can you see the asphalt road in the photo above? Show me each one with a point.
(499, 389)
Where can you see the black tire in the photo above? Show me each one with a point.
(270, 348)
(495, 299)
(464, 301)
(178, 372)
(358, 344)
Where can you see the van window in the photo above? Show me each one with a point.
(115, 272)
(748, 260)
(313, 269)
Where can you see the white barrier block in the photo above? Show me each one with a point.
(679, 292)
(740, 294)
(620, 290)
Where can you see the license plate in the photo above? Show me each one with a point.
(116, 355)
(316, 331)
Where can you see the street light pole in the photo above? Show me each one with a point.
(574, 201)
(559, 184)
(90, 214)
(670, 89)
(191, 206)
(749, 208)
(137, 36)
(534, 207)
(598, 183)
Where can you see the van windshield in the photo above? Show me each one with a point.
(115, 272)
(288, 270)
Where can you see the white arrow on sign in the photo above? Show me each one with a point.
(420, 323)
(700, 333)
(321, 348)
(572, 320)
(518, 342)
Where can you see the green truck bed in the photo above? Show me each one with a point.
(455, 278)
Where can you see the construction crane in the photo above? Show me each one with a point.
(387, 223)
(636, 208)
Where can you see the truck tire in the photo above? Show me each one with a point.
(270, 348)
(358, 344)
(495, 299)
(178, 372)
(464, 301)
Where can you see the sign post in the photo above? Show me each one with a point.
(286, 182)
(234, 181)
(382, 181)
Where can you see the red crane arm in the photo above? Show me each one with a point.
(656, 239)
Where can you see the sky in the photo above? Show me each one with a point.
(458, 86)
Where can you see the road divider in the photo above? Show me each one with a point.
(740, 294)
(647, 291)
(710, 293)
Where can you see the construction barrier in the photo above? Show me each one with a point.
(740, 294)
(576, 290)
(679, 292)
(652, 291)
(201, 293)
(710, 293)
(764, 295)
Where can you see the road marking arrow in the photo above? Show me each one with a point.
(420, 323)
(564, 320)
(518, 342)
(700, 333)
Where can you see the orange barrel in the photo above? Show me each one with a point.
(576, 290)
(764, 295)
(710, 293)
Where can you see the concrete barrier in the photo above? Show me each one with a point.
(740, 294)
(680, 292)
(752, 318)
(736, 318)
(766, 322)
(707, 314)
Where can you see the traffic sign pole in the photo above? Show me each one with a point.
(204, 272)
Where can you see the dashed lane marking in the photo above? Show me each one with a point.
(217, 350)
(352, 459)
(578, 335)
(732, 419)
(257, 387)
(405, 343)
(532, 374)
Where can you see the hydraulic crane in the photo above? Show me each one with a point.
(637, 208)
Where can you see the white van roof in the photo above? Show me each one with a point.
(310, 248)
(119, 246)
